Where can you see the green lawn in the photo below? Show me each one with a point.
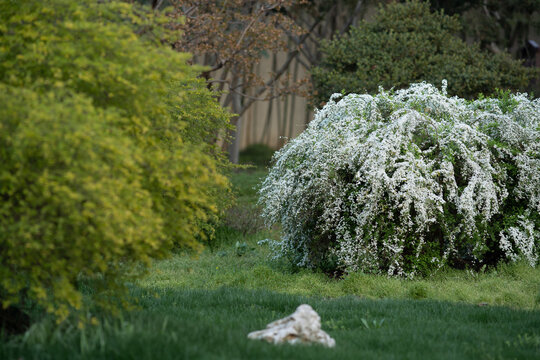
(213, 324)
(203, 308)
(516, 286)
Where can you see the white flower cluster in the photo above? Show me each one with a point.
(407, 181)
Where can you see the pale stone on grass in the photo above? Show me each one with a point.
(301, 327)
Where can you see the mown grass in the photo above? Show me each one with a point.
(203, 308)
(204, 324)
(246, 183)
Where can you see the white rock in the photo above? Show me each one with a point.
(302, 326)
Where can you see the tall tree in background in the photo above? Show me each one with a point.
(498, 25)
(506, 24)
(230, 38)
(324, 19)
(408, 43)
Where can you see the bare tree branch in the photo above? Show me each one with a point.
(270, 82)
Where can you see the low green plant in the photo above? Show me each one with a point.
(418, 291)
(373, 324)
(241, 248)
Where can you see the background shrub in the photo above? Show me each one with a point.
(257, 154)
(407, 43)
(104, 147)
(403, 183)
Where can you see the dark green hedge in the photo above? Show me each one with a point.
(407, 43)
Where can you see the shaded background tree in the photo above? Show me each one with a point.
(496, 24)
(408, 43)
(231, 39)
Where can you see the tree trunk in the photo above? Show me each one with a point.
(236, 133)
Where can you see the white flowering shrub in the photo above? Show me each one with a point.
(405, 182)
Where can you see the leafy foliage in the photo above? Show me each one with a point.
(403, 183)
(105, 162)
(407, 43)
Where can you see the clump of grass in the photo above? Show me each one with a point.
(418, 291)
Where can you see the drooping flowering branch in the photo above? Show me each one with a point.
(406, 182)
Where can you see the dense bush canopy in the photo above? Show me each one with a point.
(407, 43)
(103, 136)
(403, 183)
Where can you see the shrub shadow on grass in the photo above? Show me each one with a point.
(13, 321)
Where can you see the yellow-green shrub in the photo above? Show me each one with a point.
(103, 135)
(73, 201)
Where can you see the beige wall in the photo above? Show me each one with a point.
(274, 121)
